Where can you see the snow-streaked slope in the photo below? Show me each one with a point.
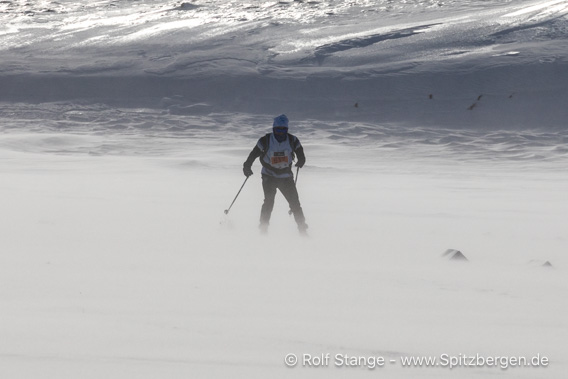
(314, 58)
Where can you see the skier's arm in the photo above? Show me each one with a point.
(247, 166)
(298, 150)
(301, 157)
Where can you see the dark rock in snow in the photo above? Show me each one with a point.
(454, 255)
(186, 7)
(539, 263)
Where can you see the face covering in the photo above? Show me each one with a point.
(280, 134)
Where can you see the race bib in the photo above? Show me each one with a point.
(279, 157)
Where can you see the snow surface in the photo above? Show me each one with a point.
(427, 125)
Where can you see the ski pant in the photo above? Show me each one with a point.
(288, 188)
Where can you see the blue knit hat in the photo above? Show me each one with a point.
(280, 121)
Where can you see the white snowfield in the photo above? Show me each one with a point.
(427, 126)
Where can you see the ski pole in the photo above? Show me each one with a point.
(227, 210)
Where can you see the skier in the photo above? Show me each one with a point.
(277, 150)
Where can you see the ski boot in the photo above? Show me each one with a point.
(303, 229)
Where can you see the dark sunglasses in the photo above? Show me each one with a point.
(280, 130)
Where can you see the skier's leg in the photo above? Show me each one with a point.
(290, 192)
(269, 188)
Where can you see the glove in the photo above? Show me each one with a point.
(300, 164)
(247, 171)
